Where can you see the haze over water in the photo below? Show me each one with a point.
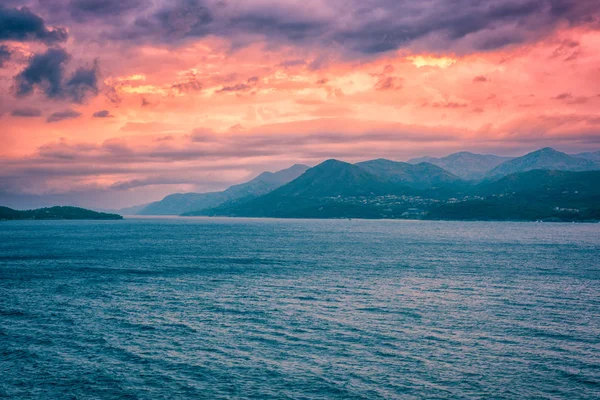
(303, 309)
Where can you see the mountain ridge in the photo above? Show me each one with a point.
(545, 158)
(180, 203)
(464, 164)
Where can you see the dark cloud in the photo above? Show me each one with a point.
(289, 27)
(84, 82)
(569, 50)
(292, 63)
(22, 24)
(480, 78)
(570, 99)
(355, 26)
(26, 112)
(401, 23)
(85, 10)
(102, 114)
(4, 55)
(563, 96)
(62, 115)
(191, 85)
(46, 71)
(175, 20)
(240, 87)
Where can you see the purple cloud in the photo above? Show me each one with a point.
(46, 71)
(26, 112)
(367, 28)
(102, 114)
(21, 24)
(62, 115)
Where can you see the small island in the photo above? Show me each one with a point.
(55, 213)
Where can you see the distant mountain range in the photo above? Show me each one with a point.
(381, 188)
(593, 156)
(545, 184)
(422, 175)
(472, 166)
(180, 203)
(546, 158)
(466, 165)
(533, 195)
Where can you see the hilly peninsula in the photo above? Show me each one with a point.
(55, 213)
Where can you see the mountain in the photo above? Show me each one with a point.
(542, 183)
(531, 196)
(546, 158)
(315, 194)
(592, 156)
(266, 182)
(55, 213)
(130, 210)
(181, 203)
(422, 175)
(336, 189)
(464, 164)
(178, 203)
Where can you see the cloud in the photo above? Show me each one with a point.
(353, 26)
(86, 10)
(449, 104)
(292, 63)
(185, 87)
(83, 82)
(46, 72)
(26, 112)
(172, 21)
(62, 115)
(23, 25)
(389, 83)
(4, 55)
(568, 98)
(240, 87)
(102, 114)
(153, 181)
(480, 78)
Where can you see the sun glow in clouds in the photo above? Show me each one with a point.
(432, 61)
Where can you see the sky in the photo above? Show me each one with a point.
(112, 103)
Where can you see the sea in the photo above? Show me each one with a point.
(216, 308)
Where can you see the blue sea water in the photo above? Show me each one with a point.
(298, 309)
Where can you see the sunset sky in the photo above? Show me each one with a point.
(111, 103)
